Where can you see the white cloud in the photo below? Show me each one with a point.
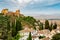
(23, 3)
(43, 2)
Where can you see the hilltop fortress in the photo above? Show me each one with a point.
(9, 13)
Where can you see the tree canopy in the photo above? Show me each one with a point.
(56, 37)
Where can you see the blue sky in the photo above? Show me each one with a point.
(32, 7)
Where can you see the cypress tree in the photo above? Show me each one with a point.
(46, 24)
(14, 32)
(51, 27)
(55, 26)
(41, 26)
(30, 37)
(18, 25)
(8, 25)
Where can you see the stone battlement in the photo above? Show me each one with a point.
(6, 12)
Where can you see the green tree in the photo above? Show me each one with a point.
(46, 24)
(34, 27)
(30, 37)
(56, 37)
(51, 26)
(41, 26)
(40, 37)
(14, 32)
(17, 37)
(3, 26)
(55, 26)
(8, 25)
(18, 25)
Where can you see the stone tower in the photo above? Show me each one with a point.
(4, 11)
(17, 13)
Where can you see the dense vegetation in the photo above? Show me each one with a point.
(46, 24)
(10, 25)
(56, 37)
(50, 26)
